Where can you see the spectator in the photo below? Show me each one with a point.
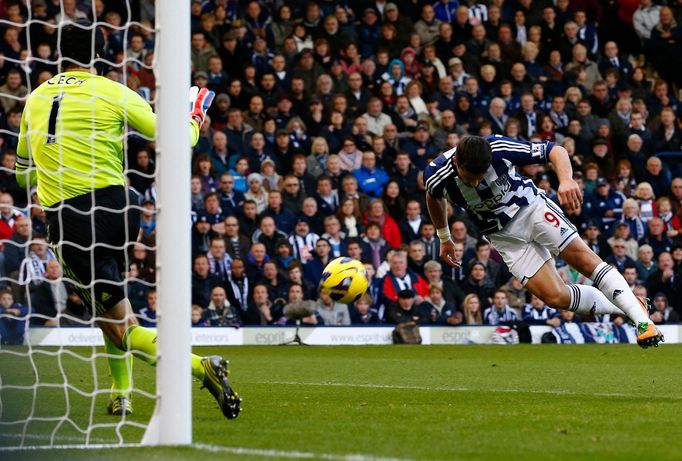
(330, 312)
(350, 217)
(147, 315)
(416, 257)
(238, 291)
(219, 312)
(607, 205)
(479, 284)
(314, 267)
(299, 309)
(33, 268)
(645, 263)
(389, 228)
(400, 277)
(631, 218)
(622, 231)
(664, 313)
(657, 176)
(54, 301)
(362, 313)
(656, 237)
(211, 211)
(13, 91)
(438, 309)
(406, 309)
(334, 235)
(8, 216)
(326, 196)
(427, 235)
(460, 234)
(236, 244)
(371, 179)
(666, 281)
(619, 259)
(202, 281)
(471, 306)
(538, 313)
(198, 319)
(376, 119)
(219, 260)
(499, 311)
(12, 320)
(15, 247)
(411, 224)
(257, 192)
(202, 50)
(284, 219)
(595, 240)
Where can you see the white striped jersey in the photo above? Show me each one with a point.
(501, 193)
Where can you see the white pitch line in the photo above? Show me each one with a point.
(459, 389)
(264, 453)
(253, 452)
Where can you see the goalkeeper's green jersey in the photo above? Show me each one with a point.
(72, 132)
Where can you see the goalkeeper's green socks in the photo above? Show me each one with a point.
(121, 368)
(142, 342)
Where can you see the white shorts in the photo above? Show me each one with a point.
(537, 233)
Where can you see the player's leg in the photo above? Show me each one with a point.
(525, 245)
(555, 232)
(118, 323)
(547, 285)
(610, 282)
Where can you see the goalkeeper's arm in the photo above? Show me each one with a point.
(25, 174)
(140, 115)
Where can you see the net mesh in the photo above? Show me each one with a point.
(58, 395)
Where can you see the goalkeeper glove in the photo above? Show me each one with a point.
(199, 102)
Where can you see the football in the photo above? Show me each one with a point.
(344, 280)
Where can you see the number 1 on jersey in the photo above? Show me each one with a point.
(52, 124)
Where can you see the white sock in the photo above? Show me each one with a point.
(616, 289)
(589, 300)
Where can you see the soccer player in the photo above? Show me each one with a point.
(71, 132)
(526, 227)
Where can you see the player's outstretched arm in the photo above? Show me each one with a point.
(140, 115)
(438, 211)
(569, 193)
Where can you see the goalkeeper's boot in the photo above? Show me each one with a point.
(120, 406)
(648, 335)
(218, 384)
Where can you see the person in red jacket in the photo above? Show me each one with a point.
(400, 278)
(8, 216)
(389, 228)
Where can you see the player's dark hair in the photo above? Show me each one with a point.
(80, 44)
(474, 154)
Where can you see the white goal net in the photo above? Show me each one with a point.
(54, 395)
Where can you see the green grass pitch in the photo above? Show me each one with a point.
(375, 403)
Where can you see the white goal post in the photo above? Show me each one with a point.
(24, 423)
(171, 423)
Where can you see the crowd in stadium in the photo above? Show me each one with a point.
(325, 116)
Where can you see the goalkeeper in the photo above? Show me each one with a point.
(70, 146)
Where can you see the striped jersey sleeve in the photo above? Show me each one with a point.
(518, 152)
(437, 172)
